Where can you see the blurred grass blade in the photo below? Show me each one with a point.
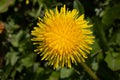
(77, 5)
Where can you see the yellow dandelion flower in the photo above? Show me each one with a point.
(63, 37)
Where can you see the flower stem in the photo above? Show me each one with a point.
(90, 72)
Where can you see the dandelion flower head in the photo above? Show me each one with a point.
(62, 37)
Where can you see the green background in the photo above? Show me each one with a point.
(18, 60)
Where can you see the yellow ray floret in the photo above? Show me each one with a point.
(63, 37)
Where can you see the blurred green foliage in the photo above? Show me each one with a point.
(18, 60)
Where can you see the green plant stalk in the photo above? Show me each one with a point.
(90, 72)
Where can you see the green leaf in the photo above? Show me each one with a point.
(115, 39)
(11, 57)
(94, 65)
(37, 68)
(110, 14)
(65, 73)
(100, 33)
(77, 5)
(113, 60)
(28, 61)
(54, 76)
(19, 68)
(96, 47)
(4, 4)
(11, 26)
(6, 73)
(16, 38)
(96, 51)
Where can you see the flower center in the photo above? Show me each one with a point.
(62, 39)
